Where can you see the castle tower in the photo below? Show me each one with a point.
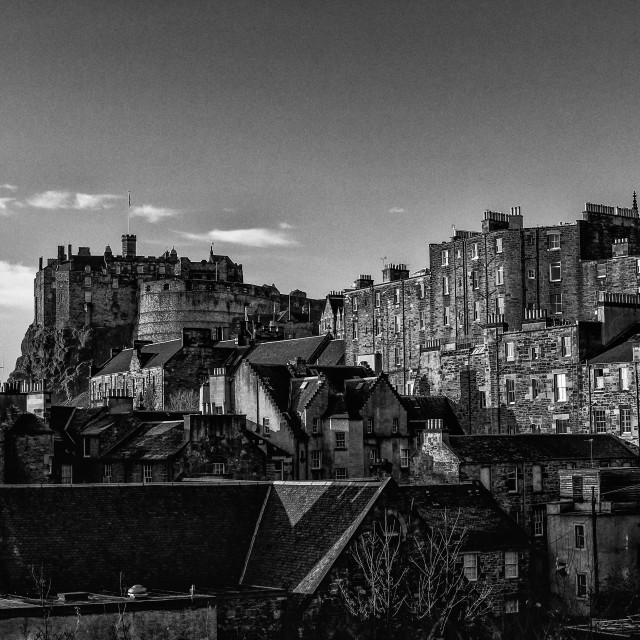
(128, 246)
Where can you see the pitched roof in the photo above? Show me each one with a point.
(283, 351)
(486, 525)
(152, 441)
(303, 529)
(356, 393)
(151, 355)
(275, 379)
(421, 408)
(28, 424)
(302, 391)
(149, 532)
(337, 375)
(333, 354)
(539, 446)
(622, 352)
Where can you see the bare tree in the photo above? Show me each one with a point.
(420, 590)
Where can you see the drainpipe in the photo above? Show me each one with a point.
(594, 533)
(589, 388)
(404, 345)
(635, 366)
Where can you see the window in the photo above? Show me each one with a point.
(278, 470)
(553, 241)
(341, 474)
(581, 585)
(638, 266)
(266, 428)
(560, 387)
(398, 359)
(354, 303)
(482, 399)
(601, 270)
(598, 378)
(555, 301)
(396, 296)
(446, 317)
(536, 478)
(600, 420)
(565, 346)
(396, 324)
(535, 388)
(531, 274)
(555, 271)
(66, 474)
(623, 378)
(217, 468)
(511, 391)
(625, 420)
(355, 330)
(510, 350)
(369, 425)
(377, 326)
(394, 425)
(475, 279)
(422, 291)
(510, 564)
(341, 440)
(498, 245)
(536, 425)
(377, 300)
(445, 257)
(500, 305)
(538, 521)
(579, 536)
(535, 353)
(485, 477)
(147, 473)
(474, 251)
(423, 320)
(106, 475)
(500, 275)
(562, 426)
(316, 459)
(512, 479)
(315, 425)
(87, 447)
(471, 566)
(511, 605)
(476, 311)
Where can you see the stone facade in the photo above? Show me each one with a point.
(385, 324)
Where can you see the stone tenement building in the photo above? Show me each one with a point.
(386, 324)
(85, 304)
(550, 296)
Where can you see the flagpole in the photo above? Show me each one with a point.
(129, 214)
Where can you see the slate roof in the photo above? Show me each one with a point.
(487, 526)
(152, 441)
(356, 394)
(303, 529)
(337, 375)
(620, 353)
(282, 351)
(333, 355)
(151, 355)
(28, 424)
(421, 408)
(302, 391)
(275, 379)
(336, 302)
(164, 536)
(528, 447)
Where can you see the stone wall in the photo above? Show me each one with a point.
(390, 321)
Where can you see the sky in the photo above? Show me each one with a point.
(311, 141)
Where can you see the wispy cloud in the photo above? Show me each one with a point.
(285, 225)
(54, 200)
(256, 237)
(396, 210)
(10, 187)
(4, 206)
(153, 214)
(16, 287)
